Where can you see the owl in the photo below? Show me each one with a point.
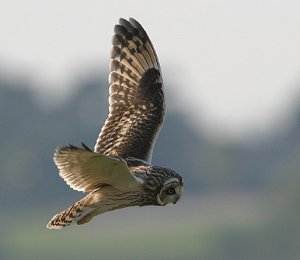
(118, 173)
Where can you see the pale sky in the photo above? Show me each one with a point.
(232, 65)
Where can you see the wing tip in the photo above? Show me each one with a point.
(63, 150)
(70, 147)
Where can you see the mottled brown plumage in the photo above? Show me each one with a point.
(118, 172)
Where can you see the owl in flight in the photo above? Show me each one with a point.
(118, 173)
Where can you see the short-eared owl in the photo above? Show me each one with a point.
(118, 173)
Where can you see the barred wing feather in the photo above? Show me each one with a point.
(136, 98)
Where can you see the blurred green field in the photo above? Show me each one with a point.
(209, 227)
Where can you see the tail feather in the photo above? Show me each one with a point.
(70, 216)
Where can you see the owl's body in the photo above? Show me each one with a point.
(118, 173)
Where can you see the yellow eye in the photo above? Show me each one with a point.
(170, 191)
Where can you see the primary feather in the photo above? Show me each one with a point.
(136, 99)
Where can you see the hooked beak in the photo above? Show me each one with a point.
(176, 199)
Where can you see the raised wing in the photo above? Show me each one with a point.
(84, 170)
(136, 98)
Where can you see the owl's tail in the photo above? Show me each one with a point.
(79, 213)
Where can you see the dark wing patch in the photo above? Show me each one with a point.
(136, 98)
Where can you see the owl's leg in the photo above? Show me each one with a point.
(86, 218)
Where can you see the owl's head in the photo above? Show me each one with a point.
(171, 191)
(162, 185)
